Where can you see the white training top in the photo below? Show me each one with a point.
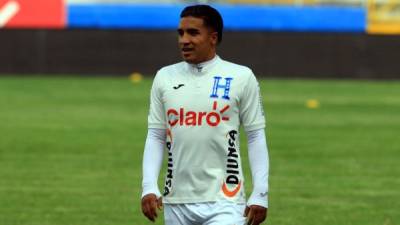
(202, 107)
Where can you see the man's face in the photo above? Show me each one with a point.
(196, 41)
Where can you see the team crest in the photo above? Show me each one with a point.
(219, 85)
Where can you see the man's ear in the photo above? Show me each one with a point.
(214, 38)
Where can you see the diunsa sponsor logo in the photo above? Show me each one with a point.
(232, 167)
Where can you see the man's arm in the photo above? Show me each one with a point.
(152, 161)
(257, 204)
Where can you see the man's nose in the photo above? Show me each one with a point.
(184, 39)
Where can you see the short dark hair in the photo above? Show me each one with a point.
(210, 16)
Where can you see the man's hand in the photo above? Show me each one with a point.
(255, 214)
(150, 203)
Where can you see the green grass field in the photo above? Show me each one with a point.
(71, 150)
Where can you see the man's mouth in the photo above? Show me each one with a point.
(186, 50)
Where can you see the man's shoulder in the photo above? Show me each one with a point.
(237, 68)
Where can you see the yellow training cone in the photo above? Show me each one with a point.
(136, 77)
(312, 104)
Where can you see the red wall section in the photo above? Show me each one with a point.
(32, 13)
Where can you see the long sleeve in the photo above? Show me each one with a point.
(152, 160)
(259, 165)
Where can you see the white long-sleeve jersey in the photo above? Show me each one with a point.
(202, 107)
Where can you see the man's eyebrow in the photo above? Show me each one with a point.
(192, 30)
(189, 30)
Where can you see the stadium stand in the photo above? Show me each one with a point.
(303, 38)
(270, 2)
(301, 2)
(239, 18)
(384, 17)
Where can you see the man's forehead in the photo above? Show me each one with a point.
(191, 22)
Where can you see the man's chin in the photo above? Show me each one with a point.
(189, 59)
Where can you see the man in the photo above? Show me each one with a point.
(196, 109)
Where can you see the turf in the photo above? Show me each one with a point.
(71, 149)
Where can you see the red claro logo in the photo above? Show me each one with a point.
(192, 118)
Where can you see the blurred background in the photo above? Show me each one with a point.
(75, 78)
(279, 38)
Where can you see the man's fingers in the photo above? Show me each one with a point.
(149, 206)
(146, 210)
(250, 217)
(246, 211)
(154, 208)
(258, 218)
(257, 215)
(150, 211)
(159, 203)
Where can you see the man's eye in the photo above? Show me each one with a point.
(193, 32)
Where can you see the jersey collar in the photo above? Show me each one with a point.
(202, 68)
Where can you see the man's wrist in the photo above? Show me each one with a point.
(153, 190)
(258, 198)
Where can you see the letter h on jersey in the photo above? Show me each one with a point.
(225, 87)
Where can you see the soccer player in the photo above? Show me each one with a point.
(196, 109)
